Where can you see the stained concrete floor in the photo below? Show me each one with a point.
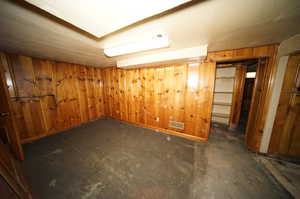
(109, 159)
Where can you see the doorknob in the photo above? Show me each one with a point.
(4, 114)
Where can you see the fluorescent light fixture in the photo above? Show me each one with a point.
(158, 41)
(186, 54)
(250, 74)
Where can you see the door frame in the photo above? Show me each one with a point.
(237, 97)
(278, 144)
(269, 52)
(256, 107)
(14, 137)
(12, 181)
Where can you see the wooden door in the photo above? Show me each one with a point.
(237, 98)
(8, 125)
(10, 147)
(5, 190)
(254, 129)
(11, 173)
(290, 138)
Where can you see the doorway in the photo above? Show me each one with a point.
(238, 95)
(248, 87)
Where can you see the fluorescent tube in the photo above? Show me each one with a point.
(185, 54)
(159, 41)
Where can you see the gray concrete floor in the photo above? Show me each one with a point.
(290, 171)
(286, 173)
(109, 159)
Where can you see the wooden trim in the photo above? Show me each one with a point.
(221, 104)
(166, 131)
(224, 92)
(31, 139)
(237, 97)
(224, 65)
(243, 53)
(14, 136)
(27, 140)
(222, 115)
(225, 77)
(269, 51)
(252, 111)
(257, 113)
(16, 187)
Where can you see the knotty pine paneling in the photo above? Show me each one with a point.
(152, 97)
(49, 96)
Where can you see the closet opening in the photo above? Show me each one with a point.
(235, 95)
(247, 93)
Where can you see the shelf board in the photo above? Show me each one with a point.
(223, 115)
(222, 103)
(224, 65)
(224, 92)
(225, 77)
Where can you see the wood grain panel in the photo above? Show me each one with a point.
(191, 97)
(243, 53)
(237, 98)
(82, 93)
(255, 127)
(49, 97)
(281, 135)
(205, 98)
(153, 97)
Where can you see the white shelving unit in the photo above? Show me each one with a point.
(225, 77)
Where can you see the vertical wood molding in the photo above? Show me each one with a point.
(267, 143)
(14, 134)
(253, 130)
(237, 98)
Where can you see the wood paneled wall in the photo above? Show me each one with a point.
(153, 97)
(49, 96)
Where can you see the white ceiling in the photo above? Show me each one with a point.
(222, 24)
(101, 17)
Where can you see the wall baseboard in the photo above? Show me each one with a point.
(166, 131)
(162, 130)
(31, 139)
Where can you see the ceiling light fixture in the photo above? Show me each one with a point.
(158, 41)
(194, 54)
(250, 74)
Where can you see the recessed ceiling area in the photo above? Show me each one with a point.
(100, 18)
(222, 24)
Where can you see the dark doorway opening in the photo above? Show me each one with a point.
(247, 95)
(233, 95)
